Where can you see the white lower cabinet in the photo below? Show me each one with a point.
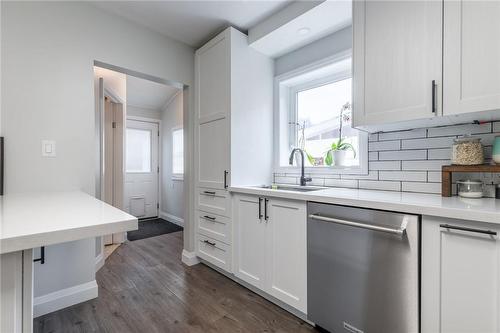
(250, 230)
(214, 251)
(270, 244)
(460, 276)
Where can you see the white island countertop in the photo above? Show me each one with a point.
(482, 210)
(29, 220)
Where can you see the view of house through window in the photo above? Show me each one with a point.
(321, 123)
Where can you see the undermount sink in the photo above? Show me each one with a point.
(292, 188)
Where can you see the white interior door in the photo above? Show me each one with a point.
(141, 170)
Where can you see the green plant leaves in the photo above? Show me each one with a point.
(329, 158)
(310, 158)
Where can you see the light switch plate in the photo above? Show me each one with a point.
(48, 148)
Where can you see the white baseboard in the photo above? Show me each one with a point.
(172, 218)
(189, 258)
(99, 261)
(63, 298)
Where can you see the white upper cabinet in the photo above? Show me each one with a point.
(396, 59)
(233, 113)
(471, 57)
(212, 148)
(213, 77)
(460, 276)
(212, 65)
(421, 63)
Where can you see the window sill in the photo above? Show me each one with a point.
(178, 177)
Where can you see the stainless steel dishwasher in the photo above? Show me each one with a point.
(363, 270)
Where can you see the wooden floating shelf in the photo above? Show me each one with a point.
(447, 170)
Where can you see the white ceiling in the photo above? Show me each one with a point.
(148, 94)
(194, 22)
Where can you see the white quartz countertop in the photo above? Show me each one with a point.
(29, 220)
(482, 210)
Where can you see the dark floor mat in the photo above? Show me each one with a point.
(151, 228)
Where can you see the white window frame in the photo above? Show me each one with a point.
(176, 176)
(285, 108)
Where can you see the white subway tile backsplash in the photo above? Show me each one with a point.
(487, 139)
(443, 142)
(399, 155)
(421, 187)
(384, 145)
(350, 183)
(372, 175)
(412, 134)
(434, 165)
(434, 176)
(285, 180)
(466, 129)
(439, 154)
(380, 185)
(384, 165)
(373, 156)
(317, 181)
(411, 176)
(409, 161)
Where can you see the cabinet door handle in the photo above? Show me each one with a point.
(260, 208)
(209, 217)
(434, 96)
(266, 217)
(209, 192)
(42, 256)
(477, 231)
(225, 178)
(209, 243)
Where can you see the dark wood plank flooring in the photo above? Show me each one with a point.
(144, 287)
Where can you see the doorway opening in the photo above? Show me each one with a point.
(140, 131)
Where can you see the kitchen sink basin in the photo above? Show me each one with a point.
(293, 188)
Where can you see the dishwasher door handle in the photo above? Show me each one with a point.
(401, 231)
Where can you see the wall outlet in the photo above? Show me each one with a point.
(48, 148)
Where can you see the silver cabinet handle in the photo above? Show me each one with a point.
(400, 231)
(477, 231)
(209, 192)
(209, 242)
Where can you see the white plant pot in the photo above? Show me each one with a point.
(339, 157)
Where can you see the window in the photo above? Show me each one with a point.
(178, 152)
(138, 155)
(315, 112)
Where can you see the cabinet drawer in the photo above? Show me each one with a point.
(214, 251)
(213, 225)
(213, 201)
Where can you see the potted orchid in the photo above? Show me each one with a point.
(339, 148)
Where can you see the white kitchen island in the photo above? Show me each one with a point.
(31, 220)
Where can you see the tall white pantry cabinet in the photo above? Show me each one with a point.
(233, 135)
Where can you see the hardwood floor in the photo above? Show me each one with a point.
(144, 287)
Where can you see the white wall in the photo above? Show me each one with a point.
(172, 195)
(48, 49)
(143, 112)
(320, 49)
